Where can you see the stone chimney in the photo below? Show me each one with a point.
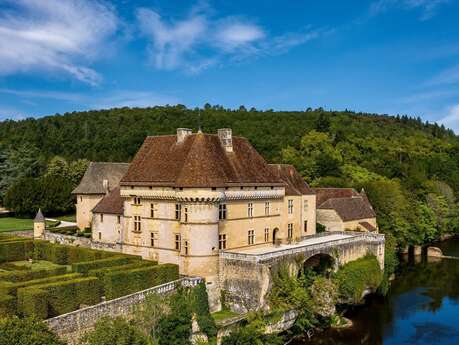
(182, 133)
(106, 186)
(226, 138)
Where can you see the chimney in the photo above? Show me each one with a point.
(182, 133)
(226, 138)
(106, 186)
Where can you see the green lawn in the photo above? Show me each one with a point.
(37, 265)
(67, 218)
(11, 224)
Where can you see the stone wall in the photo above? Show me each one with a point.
(73, 325)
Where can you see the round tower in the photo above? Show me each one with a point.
(39, 225)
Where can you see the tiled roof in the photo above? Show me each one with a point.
(97, 172)
(112, 203)
(199, 161)
(295, 184)
(352, 208)
(323, 194)
(368, 226)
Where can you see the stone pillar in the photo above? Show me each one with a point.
(39, 225)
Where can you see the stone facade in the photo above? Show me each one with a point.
(333, 222)
(84, 205)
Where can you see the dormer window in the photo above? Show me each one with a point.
(137, 200)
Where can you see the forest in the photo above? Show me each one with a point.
(408, 168)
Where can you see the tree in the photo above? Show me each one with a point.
(148, 315)
(116, 331)
(26, 331)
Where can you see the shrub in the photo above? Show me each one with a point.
(201, 308)
(26, 332)
(122, 283)
(11, 288)
(356, 276)
(114, 332)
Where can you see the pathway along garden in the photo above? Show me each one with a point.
(422, 308)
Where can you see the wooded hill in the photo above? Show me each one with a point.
(410, 169)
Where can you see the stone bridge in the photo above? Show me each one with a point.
(246, 274)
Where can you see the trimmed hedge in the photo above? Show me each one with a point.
(22, 275)
(85, 267)
(11, 288)
(121, 283)
(7, 305)
(59, 297)
(15, 250)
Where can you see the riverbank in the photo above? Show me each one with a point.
(420, 308)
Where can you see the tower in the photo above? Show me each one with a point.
(39, 225)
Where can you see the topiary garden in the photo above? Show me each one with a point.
(43, 280)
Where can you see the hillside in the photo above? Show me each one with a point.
(415, 164)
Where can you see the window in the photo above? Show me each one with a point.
(100, 236)
(178, 211)
(136, 200)
(178, 240)
(222, 211)
(305, 226)
(266, 234)
(222, 241)
(152, 210)
(137, 224)
(250, 210)
(267, 208)
(290, 231)
(290, 206)
(81, 199)
(101, 217)
(118, 219)
(186, 214)
(185, 244)
(305, 206)
(153, 238)
(251, 237)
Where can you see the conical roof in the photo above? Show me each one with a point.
(39, 218)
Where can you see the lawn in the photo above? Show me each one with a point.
(67, 218)
(36, 265)
(12, 223)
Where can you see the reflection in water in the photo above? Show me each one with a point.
(422, 307)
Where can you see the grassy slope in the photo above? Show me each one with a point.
(12, 224)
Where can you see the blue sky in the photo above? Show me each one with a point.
(382, 56)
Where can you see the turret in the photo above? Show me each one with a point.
(39, 225)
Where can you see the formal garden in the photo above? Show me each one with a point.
(43, 280)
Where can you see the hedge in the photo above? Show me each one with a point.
(59, 297)
(16, 250)
(33, 302)
(64, 254)
(84, 267)
(11, 288)
(121, 283)
(7, 305)
(22, 275)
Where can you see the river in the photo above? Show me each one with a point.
(422, 308)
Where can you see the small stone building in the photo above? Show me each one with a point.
(99, 179)
(340, 209)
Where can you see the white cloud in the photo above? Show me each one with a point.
(54, 35)
(112, 99)
(199, 40)
(427, 8)
(452, 119)
(447, 76)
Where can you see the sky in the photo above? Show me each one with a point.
(378, 56)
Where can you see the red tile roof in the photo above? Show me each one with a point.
(112, 203)
(323, 194)
(295, 184)
(368, 226)
(199, 161)
(348, 209)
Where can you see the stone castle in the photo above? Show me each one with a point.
(198, 200)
